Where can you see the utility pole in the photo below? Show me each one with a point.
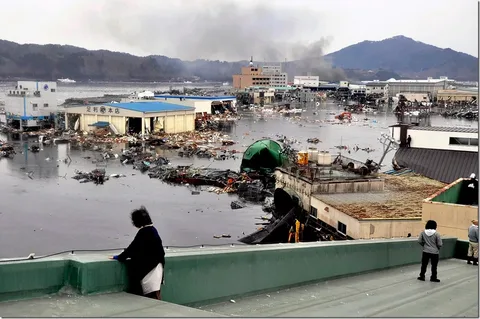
(389, 144)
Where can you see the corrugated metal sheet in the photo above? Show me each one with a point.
(119, 123)
(445, 129)
(88, 120)
(170, 124)
(443, 165)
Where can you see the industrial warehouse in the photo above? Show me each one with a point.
(134, 117)
(202, 104)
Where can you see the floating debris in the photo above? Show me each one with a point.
(34, 148)
(6, 150)
(97, 176)
(222, 236)
(313, 140)
(237, 205)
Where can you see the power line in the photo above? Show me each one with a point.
(73, 251)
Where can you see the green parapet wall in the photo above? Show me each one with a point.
(207, 275)
(450, 195)
(30, 279)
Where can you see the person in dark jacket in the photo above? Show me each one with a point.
(146, 254)
(431, 243)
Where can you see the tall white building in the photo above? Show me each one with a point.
(274, 71)
(377, 87)
(309, 81)
(31, 101)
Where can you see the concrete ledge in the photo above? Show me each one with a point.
(203, 275)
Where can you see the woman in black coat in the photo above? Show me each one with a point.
(146, 254)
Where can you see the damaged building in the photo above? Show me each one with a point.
(31, 104)
(393, 208)
(358, 202)
(135, 117)
(202, 104)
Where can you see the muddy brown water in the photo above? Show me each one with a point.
(53, 212)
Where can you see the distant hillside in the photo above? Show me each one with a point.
(56, 61)
(407, 57)
(396, 57)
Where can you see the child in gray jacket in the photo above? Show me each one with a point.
(431, 243)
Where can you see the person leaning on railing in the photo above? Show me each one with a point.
(146, 254)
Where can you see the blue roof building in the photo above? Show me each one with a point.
(151, 107)
(132, 117)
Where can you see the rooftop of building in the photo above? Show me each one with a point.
(148, 107)
(388, 293)
(456, 129)
(442, 165)
(354, 278)
(460, 90)
(195, 97)
(420, 81)
(119, 304)
(325, 174)
(337, 170)
(402, 198)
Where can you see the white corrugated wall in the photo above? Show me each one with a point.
(88, 120)
(170, 124)
(189, 122)
(119, 123)
(179, 123)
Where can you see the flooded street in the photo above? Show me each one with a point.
(51, 212)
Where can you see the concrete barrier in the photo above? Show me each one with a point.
(198, 276)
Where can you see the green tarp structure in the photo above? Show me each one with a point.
(263, 155)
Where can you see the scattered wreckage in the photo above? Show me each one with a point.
(286, 209)
(97, 176)
(7, 150)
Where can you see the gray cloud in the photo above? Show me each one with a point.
(219, 29)
(99, 24)
(225, 29)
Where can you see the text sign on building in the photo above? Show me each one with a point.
(103, 110)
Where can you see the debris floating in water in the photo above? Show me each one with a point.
(97, 176)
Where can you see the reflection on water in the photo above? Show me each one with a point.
(52, 212)
(41, 165)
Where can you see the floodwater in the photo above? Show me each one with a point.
(51, 212)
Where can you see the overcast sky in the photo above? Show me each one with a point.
(236, 29)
